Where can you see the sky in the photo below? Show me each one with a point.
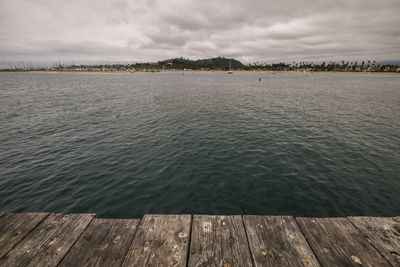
(151, 30)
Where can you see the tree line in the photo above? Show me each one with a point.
(219, 63)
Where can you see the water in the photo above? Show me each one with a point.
(122, 145)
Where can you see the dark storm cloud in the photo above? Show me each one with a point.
(152, 30)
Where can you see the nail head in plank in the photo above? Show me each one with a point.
(161, 240)
(383, 234)
(219, 241)
(49, 241)
(105, 242)
(15, 226)
(336, 242)
(277, 241)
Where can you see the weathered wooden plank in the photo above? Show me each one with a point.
(277, 241)
(15, 226)
(383, 234)
(48, 242)
(219, 241)
(336, 242)
(161, 240)
(105, 242)
(87, 243)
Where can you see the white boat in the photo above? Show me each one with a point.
(230, 67)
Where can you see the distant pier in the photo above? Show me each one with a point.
(49, 239)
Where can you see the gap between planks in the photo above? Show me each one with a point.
(383, 243)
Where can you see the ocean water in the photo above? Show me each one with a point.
(123, 145)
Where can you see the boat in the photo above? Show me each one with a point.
(230, 67)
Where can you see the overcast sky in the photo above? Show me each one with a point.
(150, 30)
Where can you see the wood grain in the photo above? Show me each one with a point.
(383, 234)
(161, 240)
(219, 241)
(47, 244)
(336, 242)
(42, 239)
(105, 242)
(277, 241)
(15, 226)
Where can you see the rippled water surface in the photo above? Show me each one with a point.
(122, 145)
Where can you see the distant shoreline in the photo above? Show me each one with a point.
(195, 71)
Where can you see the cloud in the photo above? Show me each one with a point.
(79, 30)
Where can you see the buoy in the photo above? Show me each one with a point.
(259, 79)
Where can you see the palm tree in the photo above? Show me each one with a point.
(355, 65)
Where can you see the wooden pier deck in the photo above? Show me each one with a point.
(48, 239)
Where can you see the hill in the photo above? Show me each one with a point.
(216, 63)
